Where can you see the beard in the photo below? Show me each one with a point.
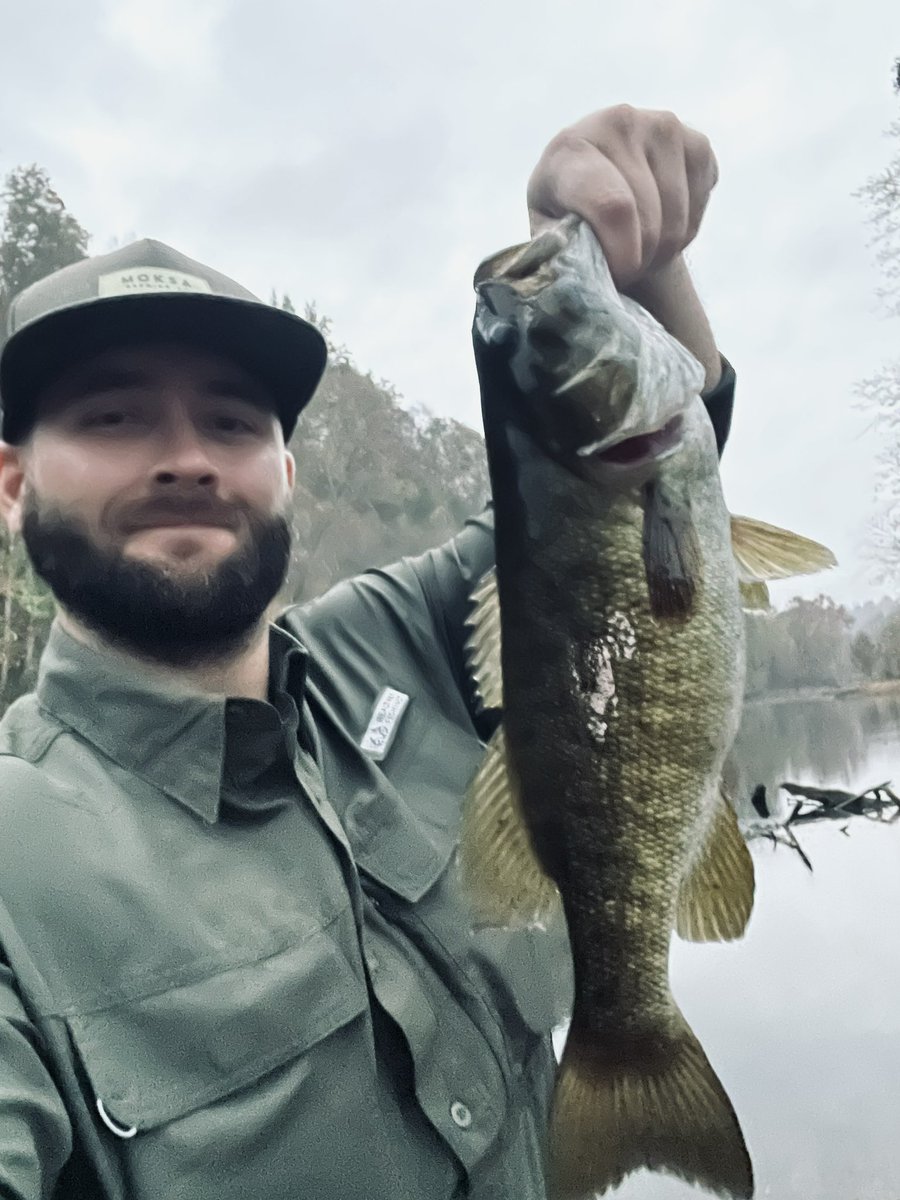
(143, 609)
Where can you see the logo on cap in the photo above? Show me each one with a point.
(149, 279)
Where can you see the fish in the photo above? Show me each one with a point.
(609, 636)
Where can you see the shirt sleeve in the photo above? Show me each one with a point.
(35, 1132)
(719, 402)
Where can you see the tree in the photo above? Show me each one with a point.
(38, 235)
(865, 654)
(880, 394)
(375, 481)
(889, 647)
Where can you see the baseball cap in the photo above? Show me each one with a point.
(147, 289)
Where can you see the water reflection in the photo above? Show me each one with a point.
(801, 1018)
(821, 742)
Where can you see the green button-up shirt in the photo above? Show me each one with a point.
(236, 960)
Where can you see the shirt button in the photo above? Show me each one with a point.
(461, 1114)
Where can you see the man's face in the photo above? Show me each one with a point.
(152, 497)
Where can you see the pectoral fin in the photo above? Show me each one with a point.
(500, 870)
(766, 552)
(754, 596)
(716, 895)
(672, 558)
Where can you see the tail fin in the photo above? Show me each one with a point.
(664, 1110)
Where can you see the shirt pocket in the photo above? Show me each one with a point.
(159, 1057)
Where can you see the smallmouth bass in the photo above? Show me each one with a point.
(611, 636)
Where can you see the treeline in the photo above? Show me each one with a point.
(374, 480)
(818, 643)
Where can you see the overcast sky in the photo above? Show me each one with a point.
(368, 156)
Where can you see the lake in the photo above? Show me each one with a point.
(801, 1019)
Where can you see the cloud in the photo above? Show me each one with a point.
(169, 38)
(368, 158)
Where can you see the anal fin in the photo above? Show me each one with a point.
(716, 895)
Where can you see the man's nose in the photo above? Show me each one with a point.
(185, 456)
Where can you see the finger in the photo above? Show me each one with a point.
(701, 175)
(667, 166)
(621, 204)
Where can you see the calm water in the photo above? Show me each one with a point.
(801, 1019)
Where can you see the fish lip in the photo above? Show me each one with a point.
(637, 449)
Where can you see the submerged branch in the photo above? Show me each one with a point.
(876, 803)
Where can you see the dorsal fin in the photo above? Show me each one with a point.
(766, 552)
(483, 644)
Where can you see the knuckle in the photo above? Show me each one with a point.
(567, 141)
(623, 117)
(665, 124)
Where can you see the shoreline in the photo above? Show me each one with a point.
(868, 687)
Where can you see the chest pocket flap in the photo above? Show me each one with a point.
(157, 1058)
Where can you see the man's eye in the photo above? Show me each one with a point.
(229, 424)
(109, 418)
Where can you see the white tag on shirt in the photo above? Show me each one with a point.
(384, 722)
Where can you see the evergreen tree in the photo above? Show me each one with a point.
(38, 234)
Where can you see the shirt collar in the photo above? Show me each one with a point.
(200, 750)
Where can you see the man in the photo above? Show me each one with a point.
(235, 959)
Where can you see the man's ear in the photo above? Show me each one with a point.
(12, 485)
(290, 469)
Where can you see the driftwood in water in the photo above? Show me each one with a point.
(878, 803)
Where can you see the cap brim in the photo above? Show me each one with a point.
(284, 352)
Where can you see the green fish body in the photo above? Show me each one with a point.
(615, 613)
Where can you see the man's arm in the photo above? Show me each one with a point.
(35, 1133)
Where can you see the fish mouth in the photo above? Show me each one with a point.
(640, 449)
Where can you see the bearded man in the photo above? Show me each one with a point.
(235, 958)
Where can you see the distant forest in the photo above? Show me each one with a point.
(817, 643)
(378, 481)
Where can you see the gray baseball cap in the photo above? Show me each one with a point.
(147, 289)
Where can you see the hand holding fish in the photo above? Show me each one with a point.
(642, 181)
(640, 178)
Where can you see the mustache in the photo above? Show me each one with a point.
(179, 510)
